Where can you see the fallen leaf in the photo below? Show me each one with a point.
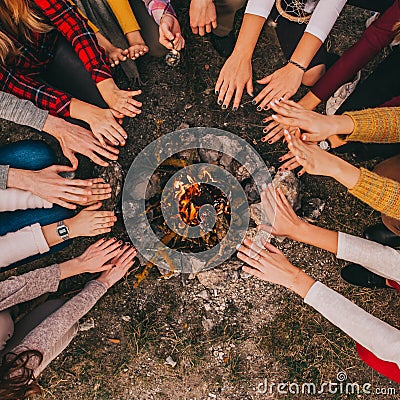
(115, 341)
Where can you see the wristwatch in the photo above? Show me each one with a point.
(62, 230)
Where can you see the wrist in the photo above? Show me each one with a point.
(301, 283)
(52, 126)
(104, 281)
(342, 124)
(20, 179)
(299, 231)
(72, 227)
(294, 65)
(70, 268)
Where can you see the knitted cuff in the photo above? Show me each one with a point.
(382, 194)
(375, 125)
(3, 176)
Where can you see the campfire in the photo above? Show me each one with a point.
(200, 205)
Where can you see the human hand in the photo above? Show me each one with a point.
(116, 55)
(170, 33)
(317, 127)
(50, 186)
(96, 258)
(100, 191)
(270, 264)
(310, 156)
(91, 222)
(120, 100)
(284, 221)
(74, 139)
(235, 75)
(203, 16)
(283, 83)
(105, 127)
(123, 262)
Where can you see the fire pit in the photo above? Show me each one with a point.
(187, 195)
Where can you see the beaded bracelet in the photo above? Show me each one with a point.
(304, 69)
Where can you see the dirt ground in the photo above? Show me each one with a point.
(226, 340)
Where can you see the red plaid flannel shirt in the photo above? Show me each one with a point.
(21, 76)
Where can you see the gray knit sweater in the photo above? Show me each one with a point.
(45, 336)
(22, 112)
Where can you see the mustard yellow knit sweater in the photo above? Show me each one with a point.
(379, 125)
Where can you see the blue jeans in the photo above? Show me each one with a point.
(32, 155)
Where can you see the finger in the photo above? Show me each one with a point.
(97, 232)
(71, 157)
(222, 92)
(93, 207)
(195, 30)
(165, 29)
(61, 168)
(265, 92)
(301, 172)
(272, 249)
(76, 190)
(104, 214)
(64, 204)
(228, 97)
(74, 198)
(248, 260)
(128, 254)
(105, 220)
(293, 104)
(265, 81)
(253, 271)
(249, 87)
(238, 97)
(289, 165)
(274, 135)
(287, 156)
(214, 23)
(208, 28)
(117, 135)
(251, 251)
(103, 243)
(202, 31)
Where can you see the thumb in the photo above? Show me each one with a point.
(166, 31)
(93, 207)
(249, 87)
(265, 81)
(271, 248)
(71, 157)
(63, 168)
(266, 228)
(105, 267)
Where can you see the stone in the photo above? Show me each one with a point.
(259, 237)
(213, 278)
(170, 361)
(312, 209)
(208, 324)
(256, 213)
(87, 325)
(290, 185)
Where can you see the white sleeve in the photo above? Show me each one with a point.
(16, 199)
(382, 260)
(262, 8)
(24, 243)
(375, 335)
(324, 17)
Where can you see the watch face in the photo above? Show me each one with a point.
(62, 231)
